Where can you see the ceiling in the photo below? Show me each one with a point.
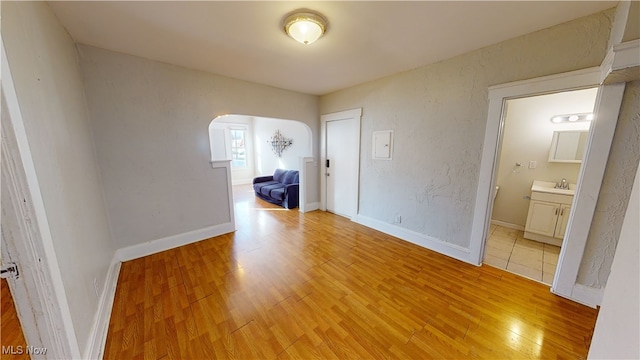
(365, 40)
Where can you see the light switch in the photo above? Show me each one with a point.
(533, 164)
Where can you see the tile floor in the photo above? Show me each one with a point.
(508, 250)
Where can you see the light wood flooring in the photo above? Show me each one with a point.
(12, 342)
(318, 286)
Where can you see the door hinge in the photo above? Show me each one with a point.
(9, 271)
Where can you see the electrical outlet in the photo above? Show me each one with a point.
(95, 287)
(398, 219)
(533, 164)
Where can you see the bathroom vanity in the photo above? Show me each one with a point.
(548, 212)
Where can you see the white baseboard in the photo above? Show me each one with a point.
(507, 225)
(242, 182)
(170, 242)
(452, 250)
(100, 326)
(310, 207)
(587, 295)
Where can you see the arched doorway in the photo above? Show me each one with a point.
(245, 142)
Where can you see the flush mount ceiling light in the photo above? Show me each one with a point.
(572, 118)
(305, 26)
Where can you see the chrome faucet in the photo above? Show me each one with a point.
(563, 184)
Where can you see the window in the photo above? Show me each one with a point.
(238, 148)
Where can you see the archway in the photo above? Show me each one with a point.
(245, 142)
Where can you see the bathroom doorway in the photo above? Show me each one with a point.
(543, 140)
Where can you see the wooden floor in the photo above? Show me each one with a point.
(317, 286)
(13, 344)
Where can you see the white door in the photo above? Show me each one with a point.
(340, 168)
(341, 157)
(43, 312)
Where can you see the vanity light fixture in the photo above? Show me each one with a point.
(305, 26)
(572, 118)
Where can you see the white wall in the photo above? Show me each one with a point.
(224, 124)
(528, 132)
(632, 28)
(617, 331)
(310, 177)
(150, 122)
(614, 195)
(44, 66)
(266, 160)
(262, 160)
(621, 167)
(438, 113)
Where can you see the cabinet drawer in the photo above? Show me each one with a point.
(555, 198)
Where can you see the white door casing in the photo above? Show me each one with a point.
(39, 294)
(340, 144)
(589, 180)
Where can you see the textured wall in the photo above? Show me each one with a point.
(618, 178)
(150, 122)
(439, 112)
(632, 28)
(45, 71)
(617, 330)
(614, 195)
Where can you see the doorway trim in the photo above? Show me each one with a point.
(589, 180)
(354, 114)
(39, 294)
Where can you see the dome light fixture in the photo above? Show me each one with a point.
(305, 26)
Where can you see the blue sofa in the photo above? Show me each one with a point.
(281, 189)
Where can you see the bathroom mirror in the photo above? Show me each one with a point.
(567, 146)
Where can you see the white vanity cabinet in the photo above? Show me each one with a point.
(547, 217)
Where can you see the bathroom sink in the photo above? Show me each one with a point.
(549, 187)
